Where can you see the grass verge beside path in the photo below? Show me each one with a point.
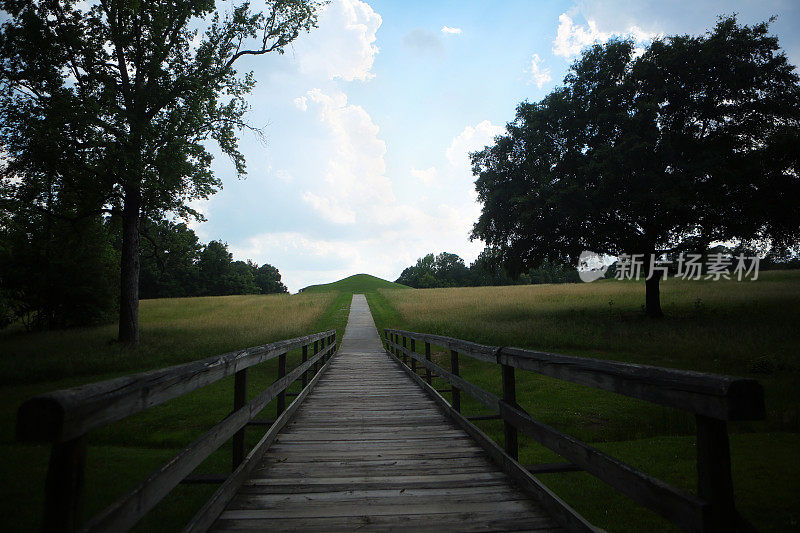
(173, 331)
(747, 329)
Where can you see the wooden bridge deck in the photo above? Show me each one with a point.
(369, 450)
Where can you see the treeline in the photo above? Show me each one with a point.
(62, 271)
(449, 270)
(176, 263)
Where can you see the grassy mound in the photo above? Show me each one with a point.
(358, 283)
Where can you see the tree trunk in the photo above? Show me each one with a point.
(129, 271)
(652, 291)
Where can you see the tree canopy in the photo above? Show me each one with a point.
(692, 142)
(112, 105)
(449, 270)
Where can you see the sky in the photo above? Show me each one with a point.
(369, 120)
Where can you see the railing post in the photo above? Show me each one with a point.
(303, 359)
(316, 351)
(456, 403)
(510, 397)
(282, 394)
(64, 486)
(394, 341)
(405, 357)
(413, 361)
(714, 481)
(428, 357)
(239, 401)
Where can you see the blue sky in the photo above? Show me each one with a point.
(369, 120)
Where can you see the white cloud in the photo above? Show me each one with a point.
(427, 176)
(358, 195)
(571, 38)
(356, 170)
(330, 208)
(470, 140)
(539, 76)
(413, 233)
(452, 31)
(301, 103)
(343, 46)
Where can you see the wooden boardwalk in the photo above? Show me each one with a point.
(369, 450)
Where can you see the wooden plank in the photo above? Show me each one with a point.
(65, 414)
(354, 471)
(500, 488)
(313, 465)
(462, 522)
(214, 506)
(713, 395)
(281, 400)
(714, 481)
(384, 481)
(511, 440)
(683, 509)
(239, 401)
(344, 453)
(364, 508)
(64, 486)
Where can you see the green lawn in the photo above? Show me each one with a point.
(740, 328)
(173, 331)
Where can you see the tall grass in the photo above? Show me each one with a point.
(173, 331)
(714, 326)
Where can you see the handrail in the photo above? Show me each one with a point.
(66, 414)
(713, 395)
(713, 398)
(64, 417)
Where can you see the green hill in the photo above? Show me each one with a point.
(358, 283)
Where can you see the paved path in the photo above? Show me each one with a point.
(369, 450)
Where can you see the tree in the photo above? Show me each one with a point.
(55, 271)
(116, 101)
(451, 271)
(692, 142)
(169, 257)
(268, 279)
(487, 270)
(422, 275)
(214, 265)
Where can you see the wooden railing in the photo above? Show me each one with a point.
(714, 399)
(64, 418)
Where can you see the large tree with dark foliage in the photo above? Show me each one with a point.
(115, 102)
(443, 270)
(693, 141)
(169, 260)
